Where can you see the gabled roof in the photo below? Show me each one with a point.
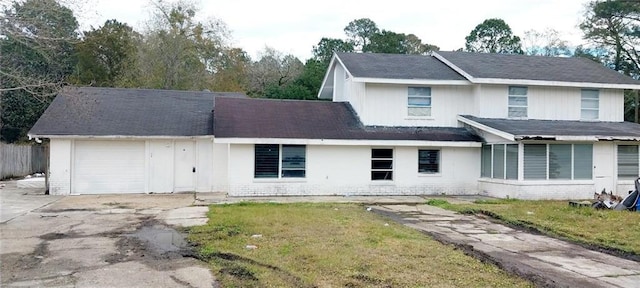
(491, 68)
(270, 118)
(530, 129)
(397, 66)
(92, 111)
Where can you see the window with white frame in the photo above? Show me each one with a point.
(419, 101)
(428, 161)
(558, 161)
(628, 161)
(381, 164)
(518, 102)
(589, 104)
(280, 161)
(499, 161)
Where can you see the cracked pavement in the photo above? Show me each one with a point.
(546, 261)
(98, 240)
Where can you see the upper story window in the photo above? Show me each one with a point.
(518, 102)
(269, 164)
(419, 101)
(589, 104)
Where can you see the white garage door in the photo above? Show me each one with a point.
(103, 167)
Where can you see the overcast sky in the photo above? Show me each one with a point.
(295, 27)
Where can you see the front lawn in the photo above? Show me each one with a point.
(618, 230)
(331, 245)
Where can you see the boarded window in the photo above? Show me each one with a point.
(627, 161)
(428, 161)
(266, 161)
(381, 164)
(419, 101)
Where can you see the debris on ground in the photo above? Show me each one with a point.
(606, 200)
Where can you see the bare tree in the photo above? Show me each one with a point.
(274, 68)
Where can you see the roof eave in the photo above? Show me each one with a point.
(118, 137)
(529, 82)
(411, 81)
(346, 142)
(499, 133)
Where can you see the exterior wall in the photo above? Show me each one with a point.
(386, 105)
(547, 103)
(345, 170)
(204, 165)
(60, 158)
(159, 172)
(220, 167)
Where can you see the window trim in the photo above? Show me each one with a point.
(280, 164)
(409, 105)
(509, 105)
(438, 161)
(371, 170)
(584, 109)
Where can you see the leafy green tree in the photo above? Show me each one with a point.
(327, 46)
(107, 55)
(178, 51)
(397, 43)
(493, 36)
(306, 86)
(36, 56)
(360, 32)
(231, 73)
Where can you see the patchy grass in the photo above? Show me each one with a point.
(331, 245)
(607, 229)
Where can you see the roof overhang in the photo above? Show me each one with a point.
(326, 88)
(528, 82)
(485, 128)
(117, 137)
(411, 81)
(347, 142)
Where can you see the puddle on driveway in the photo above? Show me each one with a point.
(161, 239)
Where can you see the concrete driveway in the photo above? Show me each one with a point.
(98, 241)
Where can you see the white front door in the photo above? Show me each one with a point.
(603, 166)
(185, 166)
(161, 166)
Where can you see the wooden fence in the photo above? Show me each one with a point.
(21, 160)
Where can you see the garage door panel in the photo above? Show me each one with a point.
(103, 167)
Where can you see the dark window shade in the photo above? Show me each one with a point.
(266, 161)
(381, 175)
(428, 161)
(381, 153)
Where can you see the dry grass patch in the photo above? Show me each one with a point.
(608, 229)
(331, 245)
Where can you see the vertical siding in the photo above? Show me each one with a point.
(345, 170)
(546, 103)
(220, 167)
(339, 84)
(204, 165)
(60, 166)
(386, 105)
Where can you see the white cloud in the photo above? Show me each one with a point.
(295, 26)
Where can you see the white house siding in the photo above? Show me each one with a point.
(536, 190)
(114, 166)
(546, 102)
(220, 167)
(386, 105)
(346, 170)
(339, 84)
(60, 166)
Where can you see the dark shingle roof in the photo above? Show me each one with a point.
(511, 66)
(266, 118)
(532, 129)
(397, 66)
(91, 111)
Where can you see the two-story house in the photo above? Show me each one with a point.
(449, 123)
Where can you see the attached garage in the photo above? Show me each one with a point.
(106, 167)
(109, 140)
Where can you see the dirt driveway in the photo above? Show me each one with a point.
(98, 241)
